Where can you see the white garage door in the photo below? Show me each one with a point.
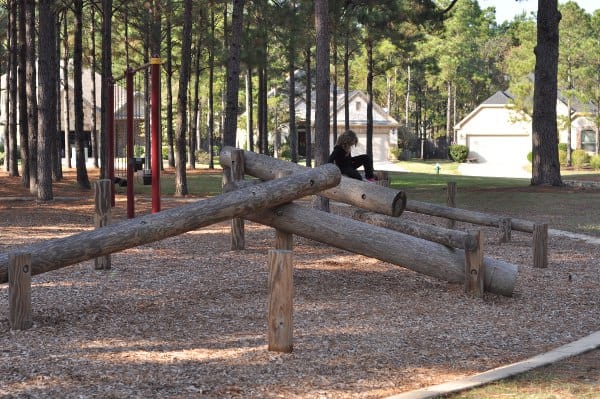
(499, 149)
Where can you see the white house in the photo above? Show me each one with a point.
(496, 132)
(88, 106)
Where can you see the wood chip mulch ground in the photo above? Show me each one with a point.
(186, 317)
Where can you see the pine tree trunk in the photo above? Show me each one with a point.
(370, 97)
(233, 74)
(22, 88)
(546, 167)
(31, 77)
(12, 117)
(181, 188)
(47, 88)
(82, 176)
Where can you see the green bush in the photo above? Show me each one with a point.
(165, 152)
(395, 153)
(562, 147)
(595, 162)
(530, 157)
(579, 158)
(1, 157)
(202, 157)
(139, 151)
(458, 152)
(562, 153)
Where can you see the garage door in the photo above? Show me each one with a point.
(499, 149)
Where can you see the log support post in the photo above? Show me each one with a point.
(19, 291)
(238, 241)
(283, 240)
(281, 293)
(102, 216)
(540, 245)
(505, 226)
(451, 201)
(474, 271)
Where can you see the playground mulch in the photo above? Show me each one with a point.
(185, 317)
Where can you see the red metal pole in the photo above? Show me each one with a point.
(155, 131)
(130, 162)
(110, 132)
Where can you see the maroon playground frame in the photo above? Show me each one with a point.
(155, 153)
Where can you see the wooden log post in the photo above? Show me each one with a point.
(238, 241)
(283, 239)
(422, 256)
(19, 291)
(474, 269)
(281, 294)
(505, 226)
(362, 194)
(61, 252)
(451, 201)
(540, 245)
(102, 216)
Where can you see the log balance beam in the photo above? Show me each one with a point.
(426, 257)
(364, 195)
(55, 254)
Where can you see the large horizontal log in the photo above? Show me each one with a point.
(420, 255)
(362, 194)
(463, 215)
(61, 252)
(441, 235)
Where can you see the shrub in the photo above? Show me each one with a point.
(530, 157)
(139, 151)
(562, 147)
(580, 158)
(202, 157)
(562, 153)
(595, 162)
(395, 153)
(458, 152)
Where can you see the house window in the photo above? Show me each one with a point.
(357, 105)
(588, 140)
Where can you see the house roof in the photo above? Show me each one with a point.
(499, 98)
(380, 116)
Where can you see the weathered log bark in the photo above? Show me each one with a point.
(54, 254)
(463, 215)
(441, 235)
(362, 194)
(422, 256)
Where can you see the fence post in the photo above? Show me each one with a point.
(238, 241)
(102, 216)
(505, 229)
(451, 201)
(474, 266)
(19, 291)
(540, 245)
(281, 293)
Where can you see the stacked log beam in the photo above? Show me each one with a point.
(417, 254)
(362, 194)
(61, 252)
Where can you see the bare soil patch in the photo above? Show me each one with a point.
(186, 317)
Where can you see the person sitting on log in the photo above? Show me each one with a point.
(348, 164)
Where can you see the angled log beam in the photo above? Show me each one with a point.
(420, 255)
(463, 215)
(441, 235)
(362, 194)
(54, 254)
